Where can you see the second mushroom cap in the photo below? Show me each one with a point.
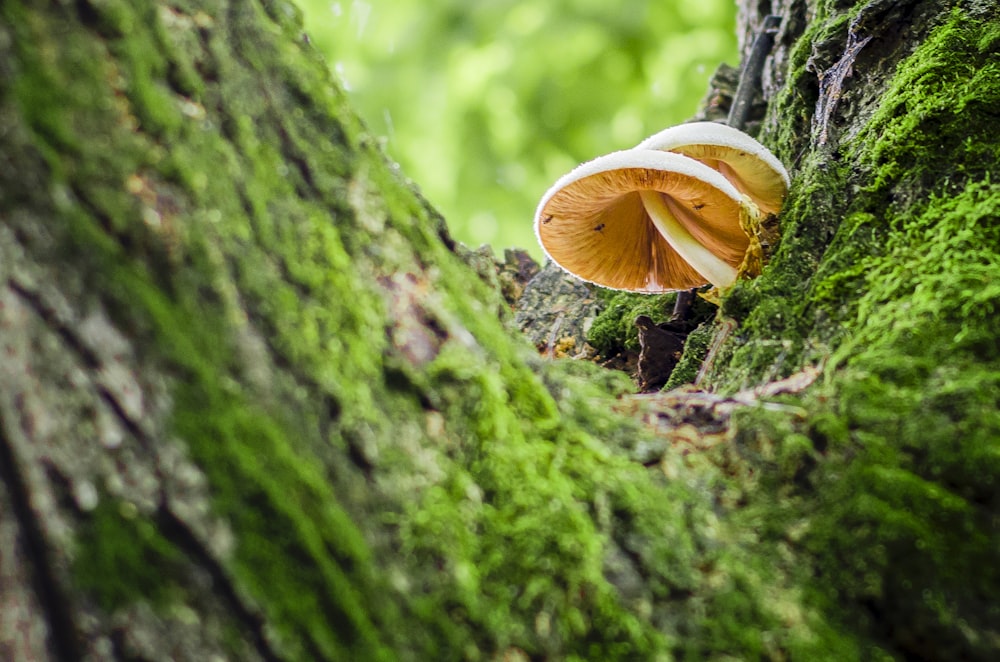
(748, 164)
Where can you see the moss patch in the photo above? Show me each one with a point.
(121, 557)
(695, 350)
(843, 207)
(918, 391)
(614, 329)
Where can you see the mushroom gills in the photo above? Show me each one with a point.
(644, 220)
(665, 218)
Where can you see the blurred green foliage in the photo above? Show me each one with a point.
(485, 104)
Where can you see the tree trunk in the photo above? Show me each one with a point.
(255, 403)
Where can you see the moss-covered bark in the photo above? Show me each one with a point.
(886, 487)
(254, 405)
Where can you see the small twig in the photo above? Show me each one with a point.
(750, 75)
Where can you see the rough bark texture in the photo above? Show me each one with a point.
(256, 405)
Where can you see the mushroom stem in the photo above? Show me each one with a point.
(703, 261)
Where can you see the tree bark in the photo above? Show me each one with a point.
(256, 404)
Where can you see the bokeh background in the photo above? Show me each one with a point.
(484, 104)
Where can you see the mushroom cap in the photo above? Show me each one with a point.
(593, 223)
(750, 166)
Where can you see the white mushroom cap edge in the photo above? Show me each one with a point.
(714, 133)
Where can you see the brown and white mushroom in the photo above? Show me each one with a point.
(647, 221)
(745, 162)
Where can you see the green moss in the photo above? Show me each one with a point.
(279, 506)
(121, 558)
(250, 459)
(156, 108)
(790, 114)
(492, 534)
(931, 108)
(695, 350)
(888, 491)
(614, 329)
(600, 380)
(842, 209)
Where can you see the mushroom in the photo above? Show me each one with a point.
(646, 221)
(750, 166)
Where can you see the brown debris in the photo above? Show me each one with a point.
(692, 420)
(661, 348)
